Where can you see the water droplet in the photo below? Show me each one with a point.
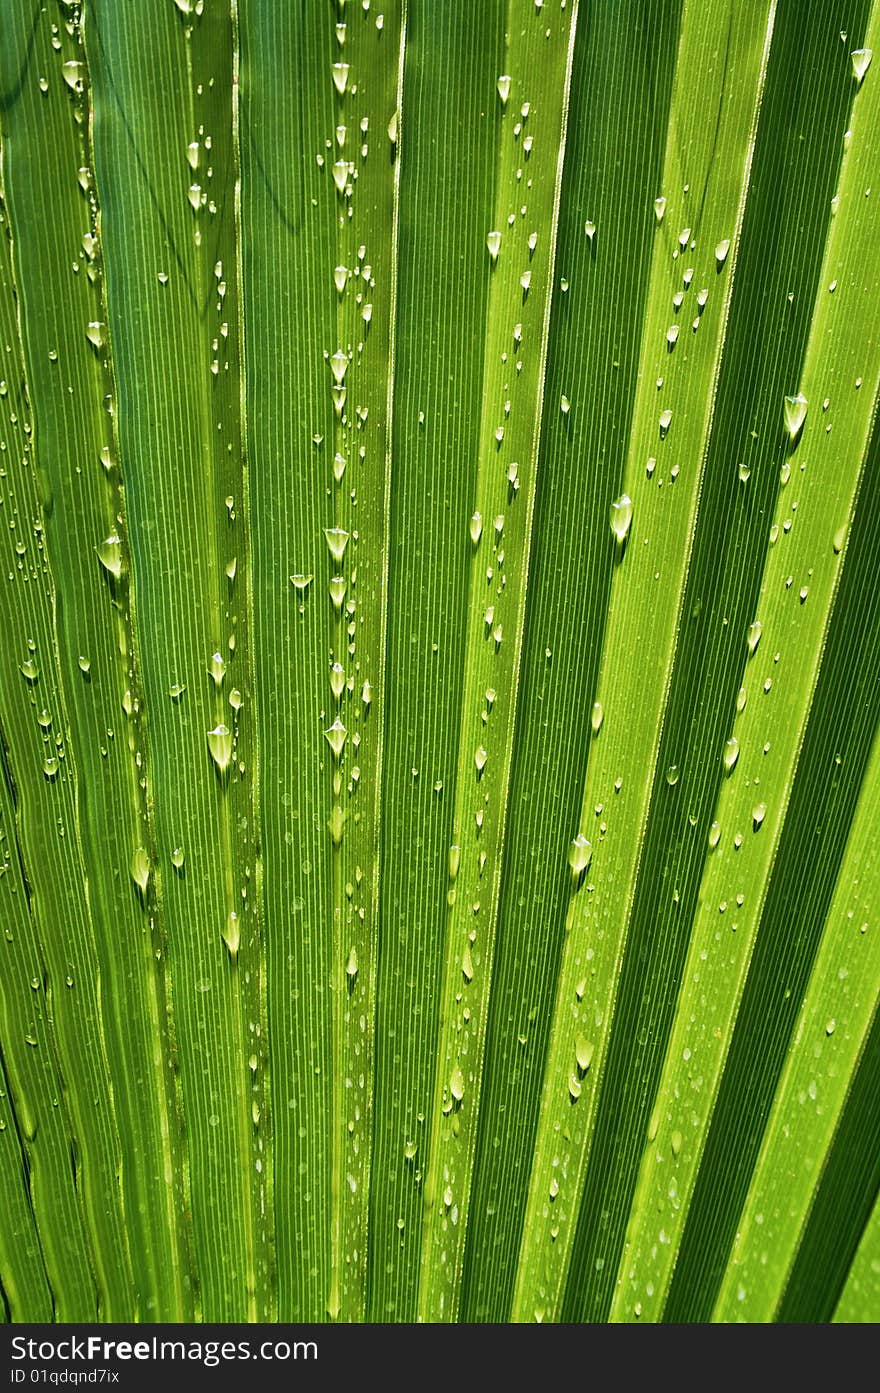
(830, 1026)
(340, 77)
(476, 527)
(675, 1142)
(861, 62)
(731, 754)
(230, 934)
(621, 516)
(467, 964)
(590, 230)
(574, 1087)
(72, 72)
(714, 835)
(480, 757)
(337, 541)
(336, 824)
(838, 540)
(217, 669)
(351, 967)
(795, 414)
(410, 1150)
(220, 746)
(583, 1050)
(672, 775)
(580, 854)
(339, 365)
(665, 421)
(721, 252)
(758, 814)
(96, 334)
(301, 582)
(564, 405)
(672, 334)
(336, 737)
(140, 869)
(744, 472)
(504, 88)
(29, 670)
(50, 766)
(659, 208)
(596, 717)
(754, 635)
(493, 242)
(456, 1083)
(337, 680)
(392, 128)
(176, 690)
(337, 591)
(110, 555)
(178, 857)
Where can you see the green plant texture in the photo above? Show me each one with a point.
(439, 656)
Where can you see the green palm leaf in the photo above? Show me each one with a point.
(438, 673)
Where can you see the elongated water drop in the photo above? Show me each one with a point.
(339, 365)
(621, 516)
(72, 72)
(503, 85)
(583, 1050)
(493, 242)
(795, 414)
(480, 758)
(861, 62)
(714, 835)
(351, 967)
(220, 746)
(659, 208)
(590, 230)
(337, 591)
(231, 934)
(340, 77)
(217, 669)
(110, 555)
(467, 964)
(336, 737)
(754, 635)
(759, 812)
(596, 717)
(665, 421)
(580, 854)
(301, 582)
(456, 1083)
(721, 252)
(337, 541)
(336, 824)
(672, 335)
(140, 869)
(29, 670)
(476, 527)
(731, 754)
(337, 680)
(177, 858)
